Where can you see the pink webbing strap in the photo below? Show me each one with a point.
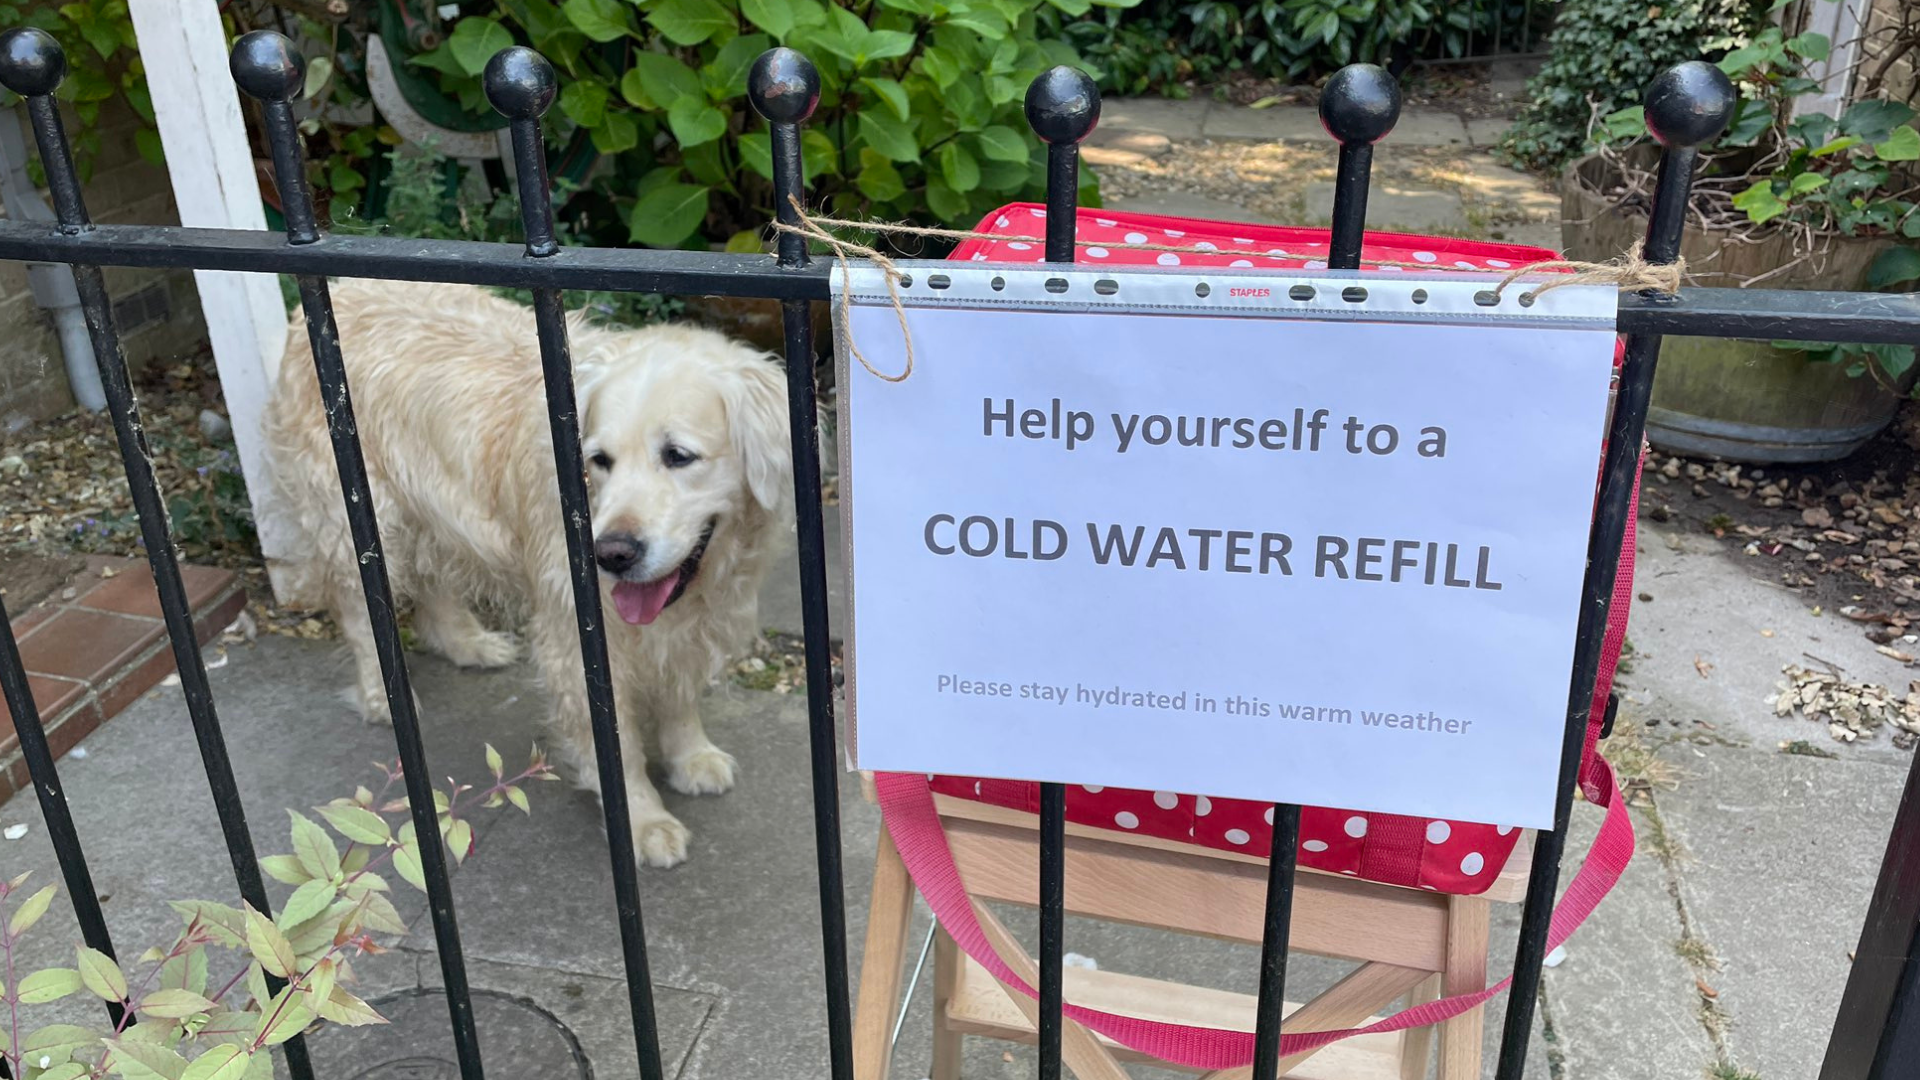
(907, 804)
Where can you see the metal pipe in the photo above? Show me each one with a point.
(51, 283)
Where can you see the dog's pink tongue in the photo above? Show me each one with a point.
(638, 604)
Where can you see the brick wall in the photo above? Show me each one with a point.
(159, 310)
(1903, 76)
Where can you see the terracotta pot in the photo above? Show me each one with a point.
(1737, 399)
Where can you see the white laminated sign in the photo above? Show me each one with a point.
(1247, 536)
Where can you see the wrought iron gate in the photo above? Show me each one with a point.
(1877, 1034)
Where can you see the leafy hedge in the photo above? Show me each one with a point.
(1603, 56)
(920, 109)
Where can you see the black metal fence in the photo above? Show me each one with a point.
(1878, 1032)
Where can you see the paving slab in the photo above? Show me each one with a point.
(1623, 1002)
(1488, 131)
(780, 607)
(1171, 118)
(1394, 207)
(1710, 638)
(1780, 856)
(1189, 205)
(1291, 123)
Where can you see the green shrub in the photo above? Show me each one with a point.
(1604, 54)
(920, 112)
(102, 64)
(1163, 43)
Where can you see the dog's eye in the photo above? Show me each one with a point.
(601, 461)
(675, 458)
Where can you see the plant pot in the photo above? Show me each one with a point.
(758, 322)
(1741, 400)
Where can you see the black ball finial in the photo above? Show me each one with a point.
(520, 83)
(784, 86)
(267, 66)
(1360, 104)
(1690, 104)
(32, 64)
(1063, 105)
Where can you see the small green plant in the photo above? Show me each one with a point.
(175, 1022)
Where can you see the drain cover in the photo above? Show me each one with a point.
(517, 1038)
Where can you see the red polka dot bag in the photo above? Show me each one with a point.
(1446, 856)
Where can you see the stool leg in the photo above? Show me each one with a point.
(1416, 1044)
(1467, 918)
(946, 1041)
(889, 919)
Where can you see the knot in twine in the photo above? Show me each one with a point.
(1630, 272)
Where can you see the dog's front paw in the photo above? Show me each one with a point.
(485, 649)
(703, 772)
(660, 841)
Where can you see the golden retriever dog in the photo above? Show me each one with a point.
(689, 469)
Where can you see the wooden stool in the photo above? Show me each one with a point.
(1410, 943)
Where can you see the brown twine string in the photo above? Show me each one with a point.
(1629, 272)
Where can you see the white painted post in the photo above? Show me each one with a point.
(1841, 21)
(197, 108)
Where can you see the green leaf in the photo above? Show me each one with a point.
(343, 1008)
(314, 848)
(514, 794)
(1894, 266)
(1874, 120)
(620, 133)
(101, 975)
(690, 22)
(1001, 143)
(941, 66)
(776, 17)
(1760, 203)
(888, 136)
(662, 80)
(878, 179)
(945, 202)
(320, 982)
(226, 925)
(728, 72)
(475, 40)
(667, 216)
(147, 141)
(282, 1019)
(1844, 142)
(961, 171)
(174, 1004)
(56, 1037)
(1073, 7)
(599, 20)
(257, 987)
(379, 914)
(319, 72)
(460, 836)
(694, 121)
(887, 44)
(268, 945)
(66, 1070)
(223, 1062)
(585, 103)
(49, 985)
(1810, 46)
(141, 1060)
(30, 911)
(229, 1027)
(188, 971)
(1806, 182)
(891, 92)
(358, 825)
(285, 869)
(1902, 145)
(307, 901)
(406, 860)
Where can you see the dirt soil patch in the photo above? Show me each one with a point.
(1844, 535)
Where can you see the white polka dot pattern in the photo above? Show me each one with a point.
(1438, 831)
(1356, 826)
(1238, 836)
(1126, 819)
(1165, 800)
(1168, 258)
(1315, 845)
(1202, 806)
(1473, 863)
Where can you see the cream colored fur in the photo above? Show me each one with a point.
(452, 418)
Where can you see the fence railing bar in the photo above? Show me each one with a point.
(53, 801)
(1062, 106)
(1275, 936)
(1871, 318)
(520, 84)
(1876, 1034)
(784, 87)
(268, 68)
(1687, 106)
(33, 65)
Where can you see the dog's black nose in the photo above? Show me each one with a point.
(616, 554)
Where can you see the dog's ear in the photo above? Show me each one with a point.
(756, 400)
